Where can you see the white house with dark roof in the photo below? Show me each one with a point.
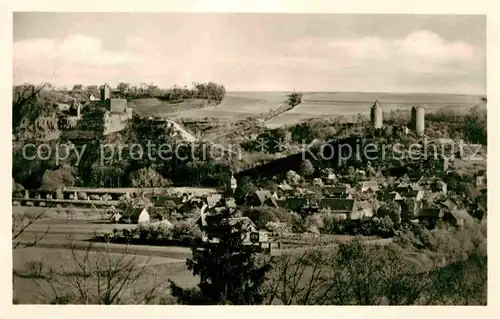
(363, 210)
(338, 191)
(369, 185)
(140, 215)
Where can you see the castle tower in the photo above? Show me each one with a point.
(418, 119)
(105, 92)
(376, 115)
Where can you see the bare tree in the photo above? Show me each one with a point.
(355, 273)
(95, 275)
(20, 224)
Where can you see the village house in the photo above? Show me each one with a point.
(295, 204)
(344, 208)
(457, 217)
(395, 196)
(481, 180)
(363, 210)
(449, 204)
(430, 216)
(329, 176)
(407, 187)
(440, 187)
(311, 206)
(160, 201)
(213, 199)
(369, 185)
(285, 190)
(337, 192)
(261, 198)
(418, 195)
(139, 215)
(454, 216)
(251, 234)
(317, 182)
(188, 206)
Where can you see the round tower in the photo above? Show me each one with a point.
(376, 115)
(418, 119)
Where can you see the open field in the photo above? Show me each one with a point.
(54, 212)
(237, 106)
(153, 106)
(76, 226)
(350, 104)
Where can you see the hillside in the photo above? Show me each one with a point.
(157, 107)
(237, 106)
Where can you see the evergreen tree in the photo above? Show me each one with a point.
(230, 272)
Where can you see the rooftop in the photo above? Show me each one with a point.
(337, 204)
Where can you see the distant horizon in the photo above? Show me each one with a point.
(346, 91)
(69, 87)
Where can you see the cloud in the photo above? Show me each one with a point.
(419, 61)
(422, 46)
(431, 47)
(74, 59)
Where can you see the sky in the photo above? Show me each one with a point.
(255, 52)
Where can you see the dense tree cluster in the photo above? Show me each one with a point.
(294, 99)
(104, 164)
(210, 91)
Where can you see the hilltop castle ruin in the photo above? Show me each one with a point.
(117, 112)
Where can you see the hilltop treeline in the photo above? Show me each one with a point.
(210, 91)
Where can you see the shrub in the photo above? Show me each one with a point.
(34, 269)
(299, 224)
(182, 229)
(306, 168)
(332, 224)
(384, 226)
